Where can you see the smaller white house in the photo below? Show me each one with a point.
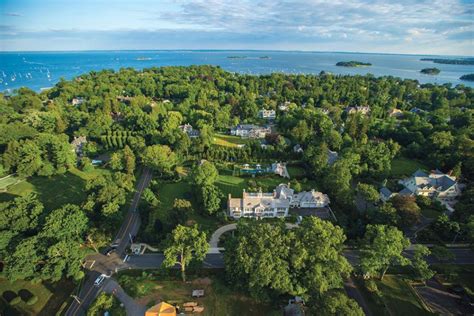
(77, 101)
(279, 168)
(188, 129)
(358, 109)
(284, 106)
(267, 114)
(78, 144)
(250, 131)
(298, 149)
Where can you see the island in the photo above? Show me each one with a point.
(353, 63)
(236, 57)
(265, 57)
(468, 77)
(455, 61)
(430, 71)
(143, 58)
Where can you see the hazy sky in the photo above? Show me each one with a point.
(401, 26)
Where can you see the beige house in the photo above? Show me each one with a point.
(267, 114)
(358, 109)
(276, 204)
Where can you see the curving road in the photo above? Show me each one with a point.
(104, 264)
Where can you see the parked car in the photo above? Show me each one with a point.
(100, 279)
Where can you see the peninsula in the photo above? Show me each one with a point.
(468, 77)
(455, 61)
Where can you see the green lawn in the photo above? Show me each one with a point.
(7, 181)
(430, 213)
(167, 193)
(50, 297)
(398, 298)
(54, 191)
(234, 185)
(218, 300)
(296, 172)
(228, 140)
(403, 167)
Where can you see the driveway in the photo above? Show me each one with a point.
(132, 307)
(440, 300)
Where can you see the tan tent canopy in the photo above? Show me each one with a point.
(162, 309)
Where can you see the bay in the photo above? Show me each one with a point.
(37, 70)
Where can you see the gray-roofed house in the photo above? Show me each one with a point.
(332, 157)
(188, 129)
(298, 149)
(434, 185)
(385, 194)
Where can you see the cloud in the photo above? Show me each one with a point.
(433, 26)
(12, 14)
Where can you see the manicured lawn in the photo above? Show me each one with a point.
(228, 140)
(234, 185)
(403, 167)
(167, 193)
(296, 172)
(54, 191)
(430, 213)
(397, 298)
(218, 300)
(7, 181)
(457, 274)
(50, 297)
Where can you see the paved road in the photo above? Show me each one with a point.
(88, 291)
(216, 260)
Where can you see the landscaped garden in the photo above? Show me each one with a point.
(391, 296)
(229, 140)
(404, 167)
(219, 299)
(27, 298)
(54, 191)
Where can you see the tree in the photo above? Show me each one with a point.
(338, 303)
(66, 223)
(368, 192)
(407, 209)
(129, 158)
(317, 255)
(116, 161)
(185, 244)
(211, 198)
(160, 158)
(205, 174)
(420, 266)
(383, 247)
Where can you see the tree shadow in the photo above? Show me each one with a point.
(61, 291)
(9, 295)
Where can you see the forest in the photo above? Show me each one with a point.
(134, 117)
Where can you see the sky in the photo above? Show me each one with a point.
(444, 27)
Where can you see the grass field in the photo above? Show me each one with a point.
(218, 300)
(54, 191)
(7, 181)
(430, 213)
(50, 297)
(397, 298)
(403, 167)
(168, 192)
(228, 140)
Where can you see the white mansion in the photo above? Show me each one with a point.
(276, 204)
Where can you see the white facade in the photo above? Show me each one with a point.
(250, 131)
(276, 204)
(267, 114)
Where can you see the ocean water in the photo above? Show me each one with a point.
(38, 70)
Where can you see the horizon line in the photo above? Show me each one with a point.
(223, 50)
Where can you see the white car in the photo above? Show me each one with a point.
(100, 279)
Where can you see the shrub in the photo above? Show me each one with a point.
(32, 300)
(15, 301)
